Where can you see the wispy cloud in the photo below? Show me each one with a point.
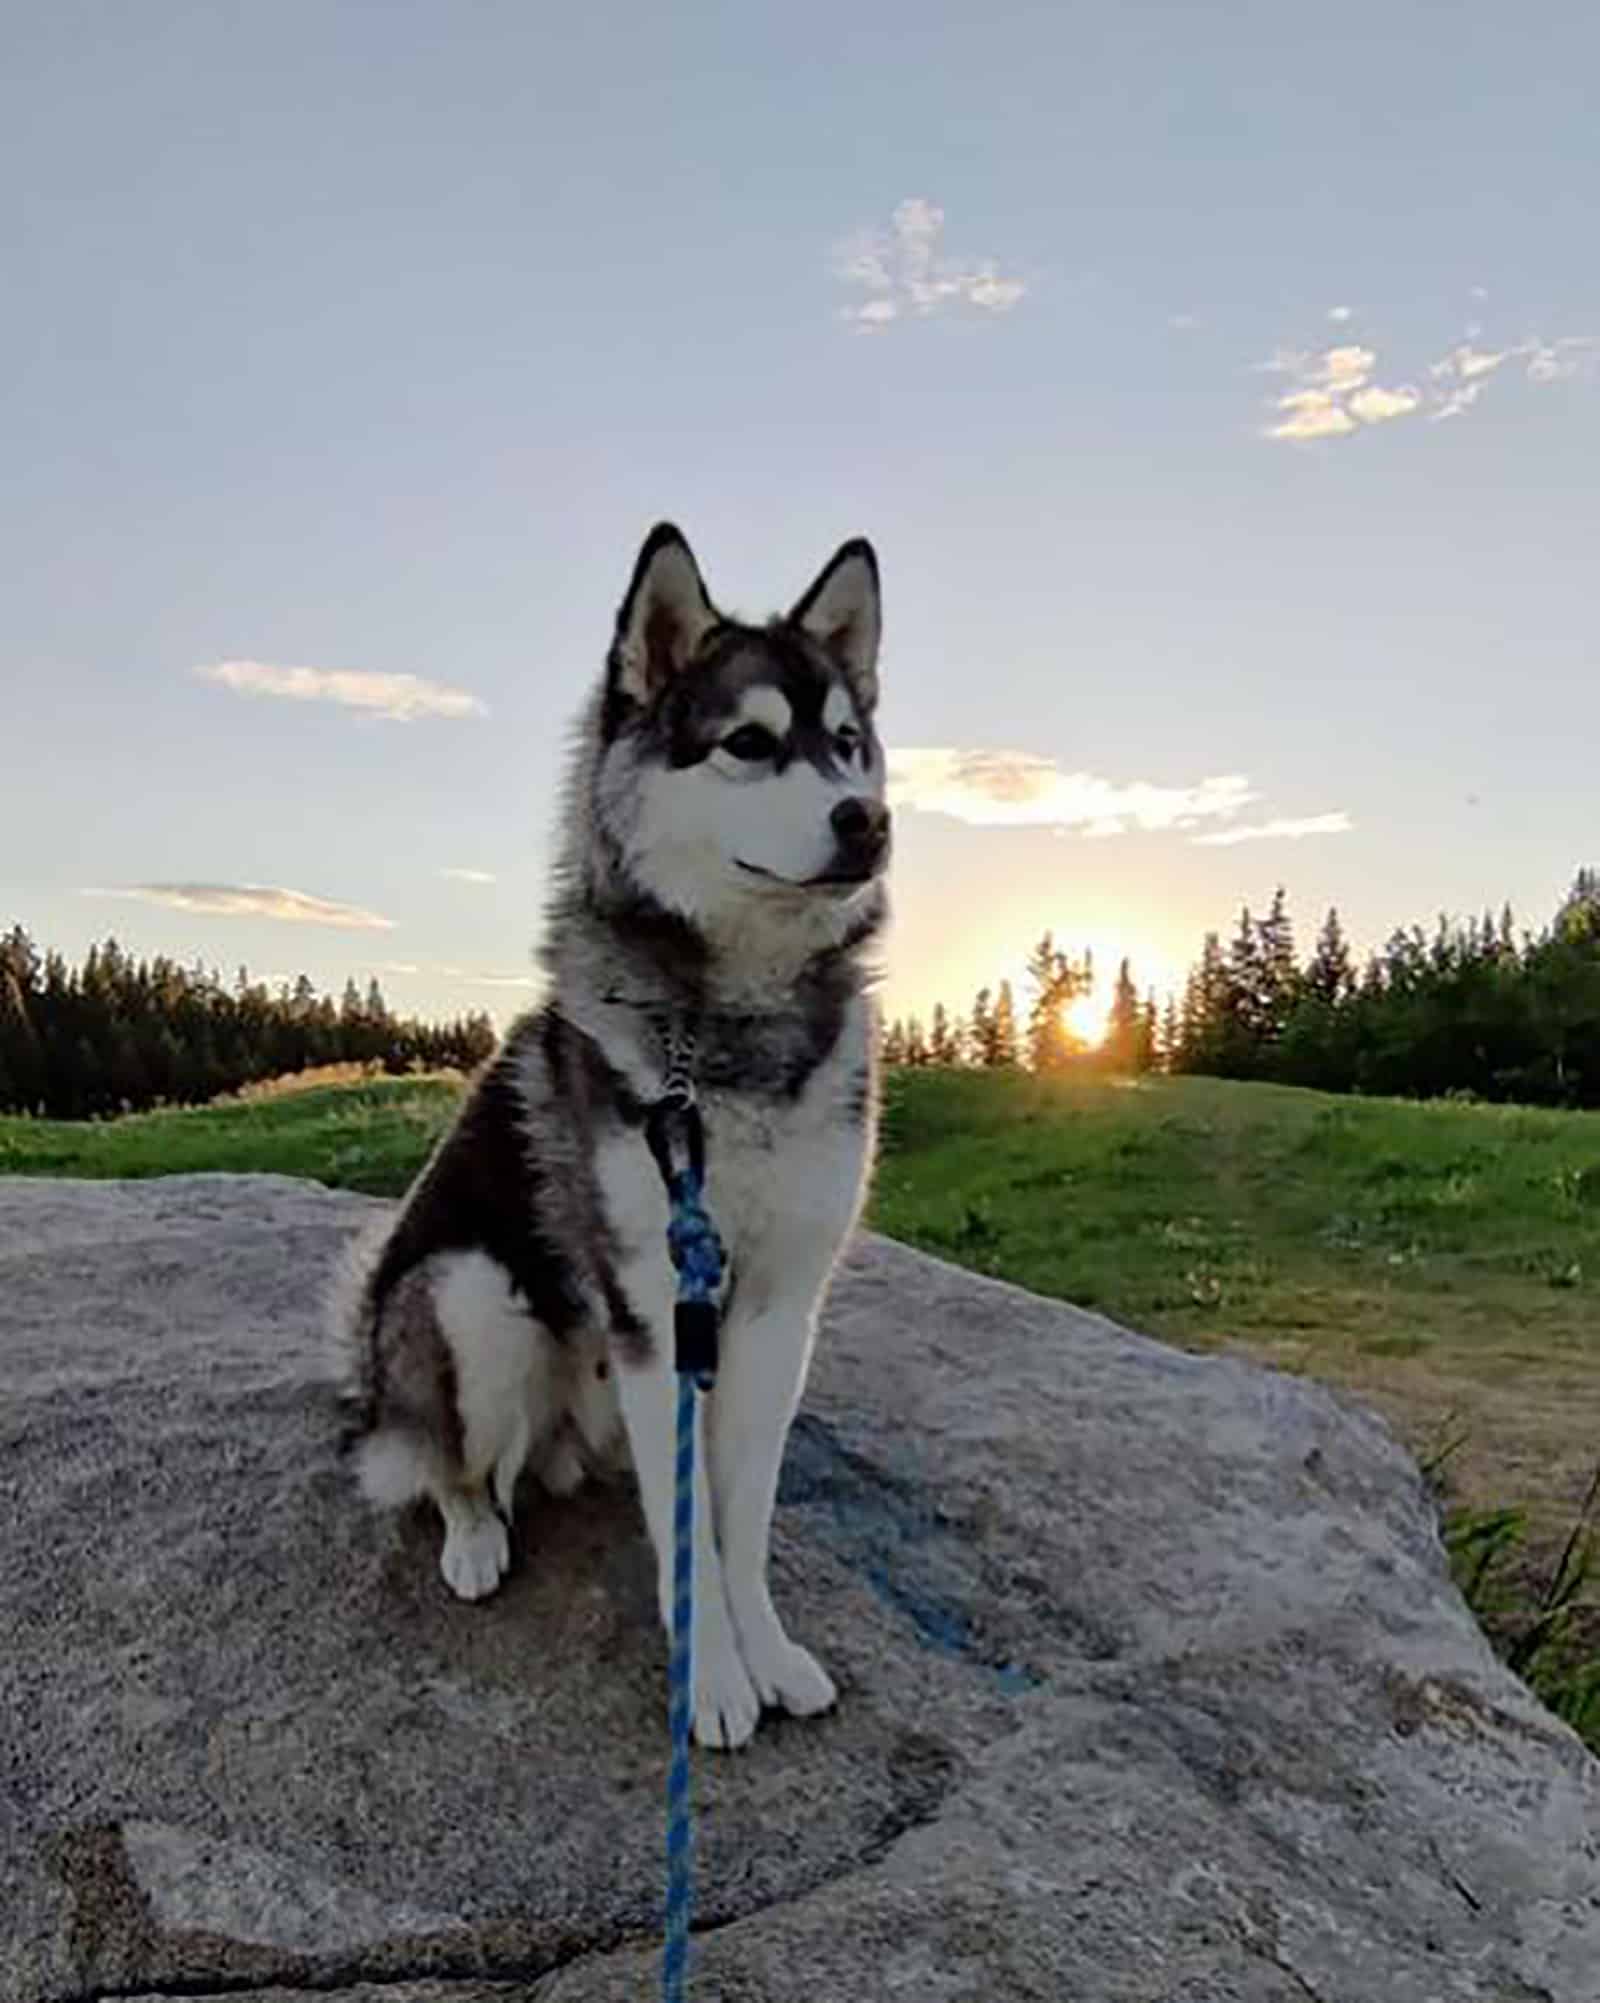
(468, 976)
(1560, 361)
(1333, 393)
(904, 272)
(469, 875)
(403, 698)
(1277, 831)
(251, 900)
(1018, 789)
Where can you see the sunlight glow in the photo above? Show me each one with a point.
(1087, 1017)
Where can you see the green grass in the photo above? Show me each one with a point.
(1211, 1212)
(370, 1137)
(1441, 1261)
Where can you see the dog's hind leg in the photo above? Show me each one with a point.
(502, 1371)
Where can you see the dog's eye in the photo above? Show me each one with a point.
(847, 743)
(752, 741)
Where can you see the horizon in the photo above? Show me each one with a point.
(1223, 413)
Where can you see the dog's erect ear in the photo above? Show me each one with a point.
(842, 611)
(663, 618)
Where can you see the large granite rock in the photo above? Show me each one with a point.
(1154, 1685)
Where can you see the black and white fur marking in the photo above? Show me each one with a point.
(725, 839)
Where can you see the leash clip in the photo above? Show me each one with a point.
(676, 1135)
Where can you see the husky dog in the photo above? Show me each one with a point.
(725, 839)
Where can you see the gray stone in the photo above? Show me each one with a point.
(1154, 1685)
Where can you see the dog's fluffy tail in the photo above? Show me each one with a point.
(393, 1465)
(348, 1326)
(394, 1468)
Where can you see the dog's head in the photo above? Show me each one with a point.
(739, 769)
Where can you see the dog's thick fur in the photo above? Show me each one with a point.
(722, 869)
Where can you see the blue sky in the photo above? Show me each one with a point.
(1221, 388)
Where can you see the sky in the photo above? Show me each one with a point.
(1220, 388)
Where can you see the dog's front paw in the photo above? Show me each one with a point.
(790, 1678)
(726, 1707)
(475, 1556)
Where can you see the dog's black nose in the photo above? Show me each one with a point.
(861, 825)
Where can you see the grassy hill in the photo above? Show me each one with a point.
(371, 1137)
(1442, 1261)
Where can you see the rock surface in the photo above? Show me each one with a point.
(1154, 1686)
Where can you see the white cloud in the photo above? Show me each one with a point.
(1472, 362)
(1336, 393)
(1345, 368)
(1375, 405)
(1184, 322)
(1312, 413)
(1272, 831)
(1453, 402)
(469, 875)
(904, 271)
(1333, 394)
(252, 900)
(1018, 789)
(1339, 314)
(400, 697)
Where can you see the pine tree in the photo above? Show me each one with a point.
(1578, 919)
(118, 1034)
(1208, 1034)
(1146, 1057)
(1056, 981)
(981, 1031)
(1122, 1031)
(1243, 1010)
(1330, 976)
(894, 1043)
(1007, 1055)
(1280, 972)
(916, 1042)
(1169, 1045)
(20, 1049)
(941, 1043)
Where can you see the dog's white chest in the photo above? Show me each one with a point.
(781, 1174)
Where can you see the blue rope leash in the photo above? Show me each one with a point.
(680, 1860)
(677, 1140)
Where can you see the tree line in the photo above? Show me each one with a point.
(993, 1035)
(120, 1035)
(1466, 1007)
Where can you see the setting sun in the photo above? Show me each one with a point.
(1086, 1018)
